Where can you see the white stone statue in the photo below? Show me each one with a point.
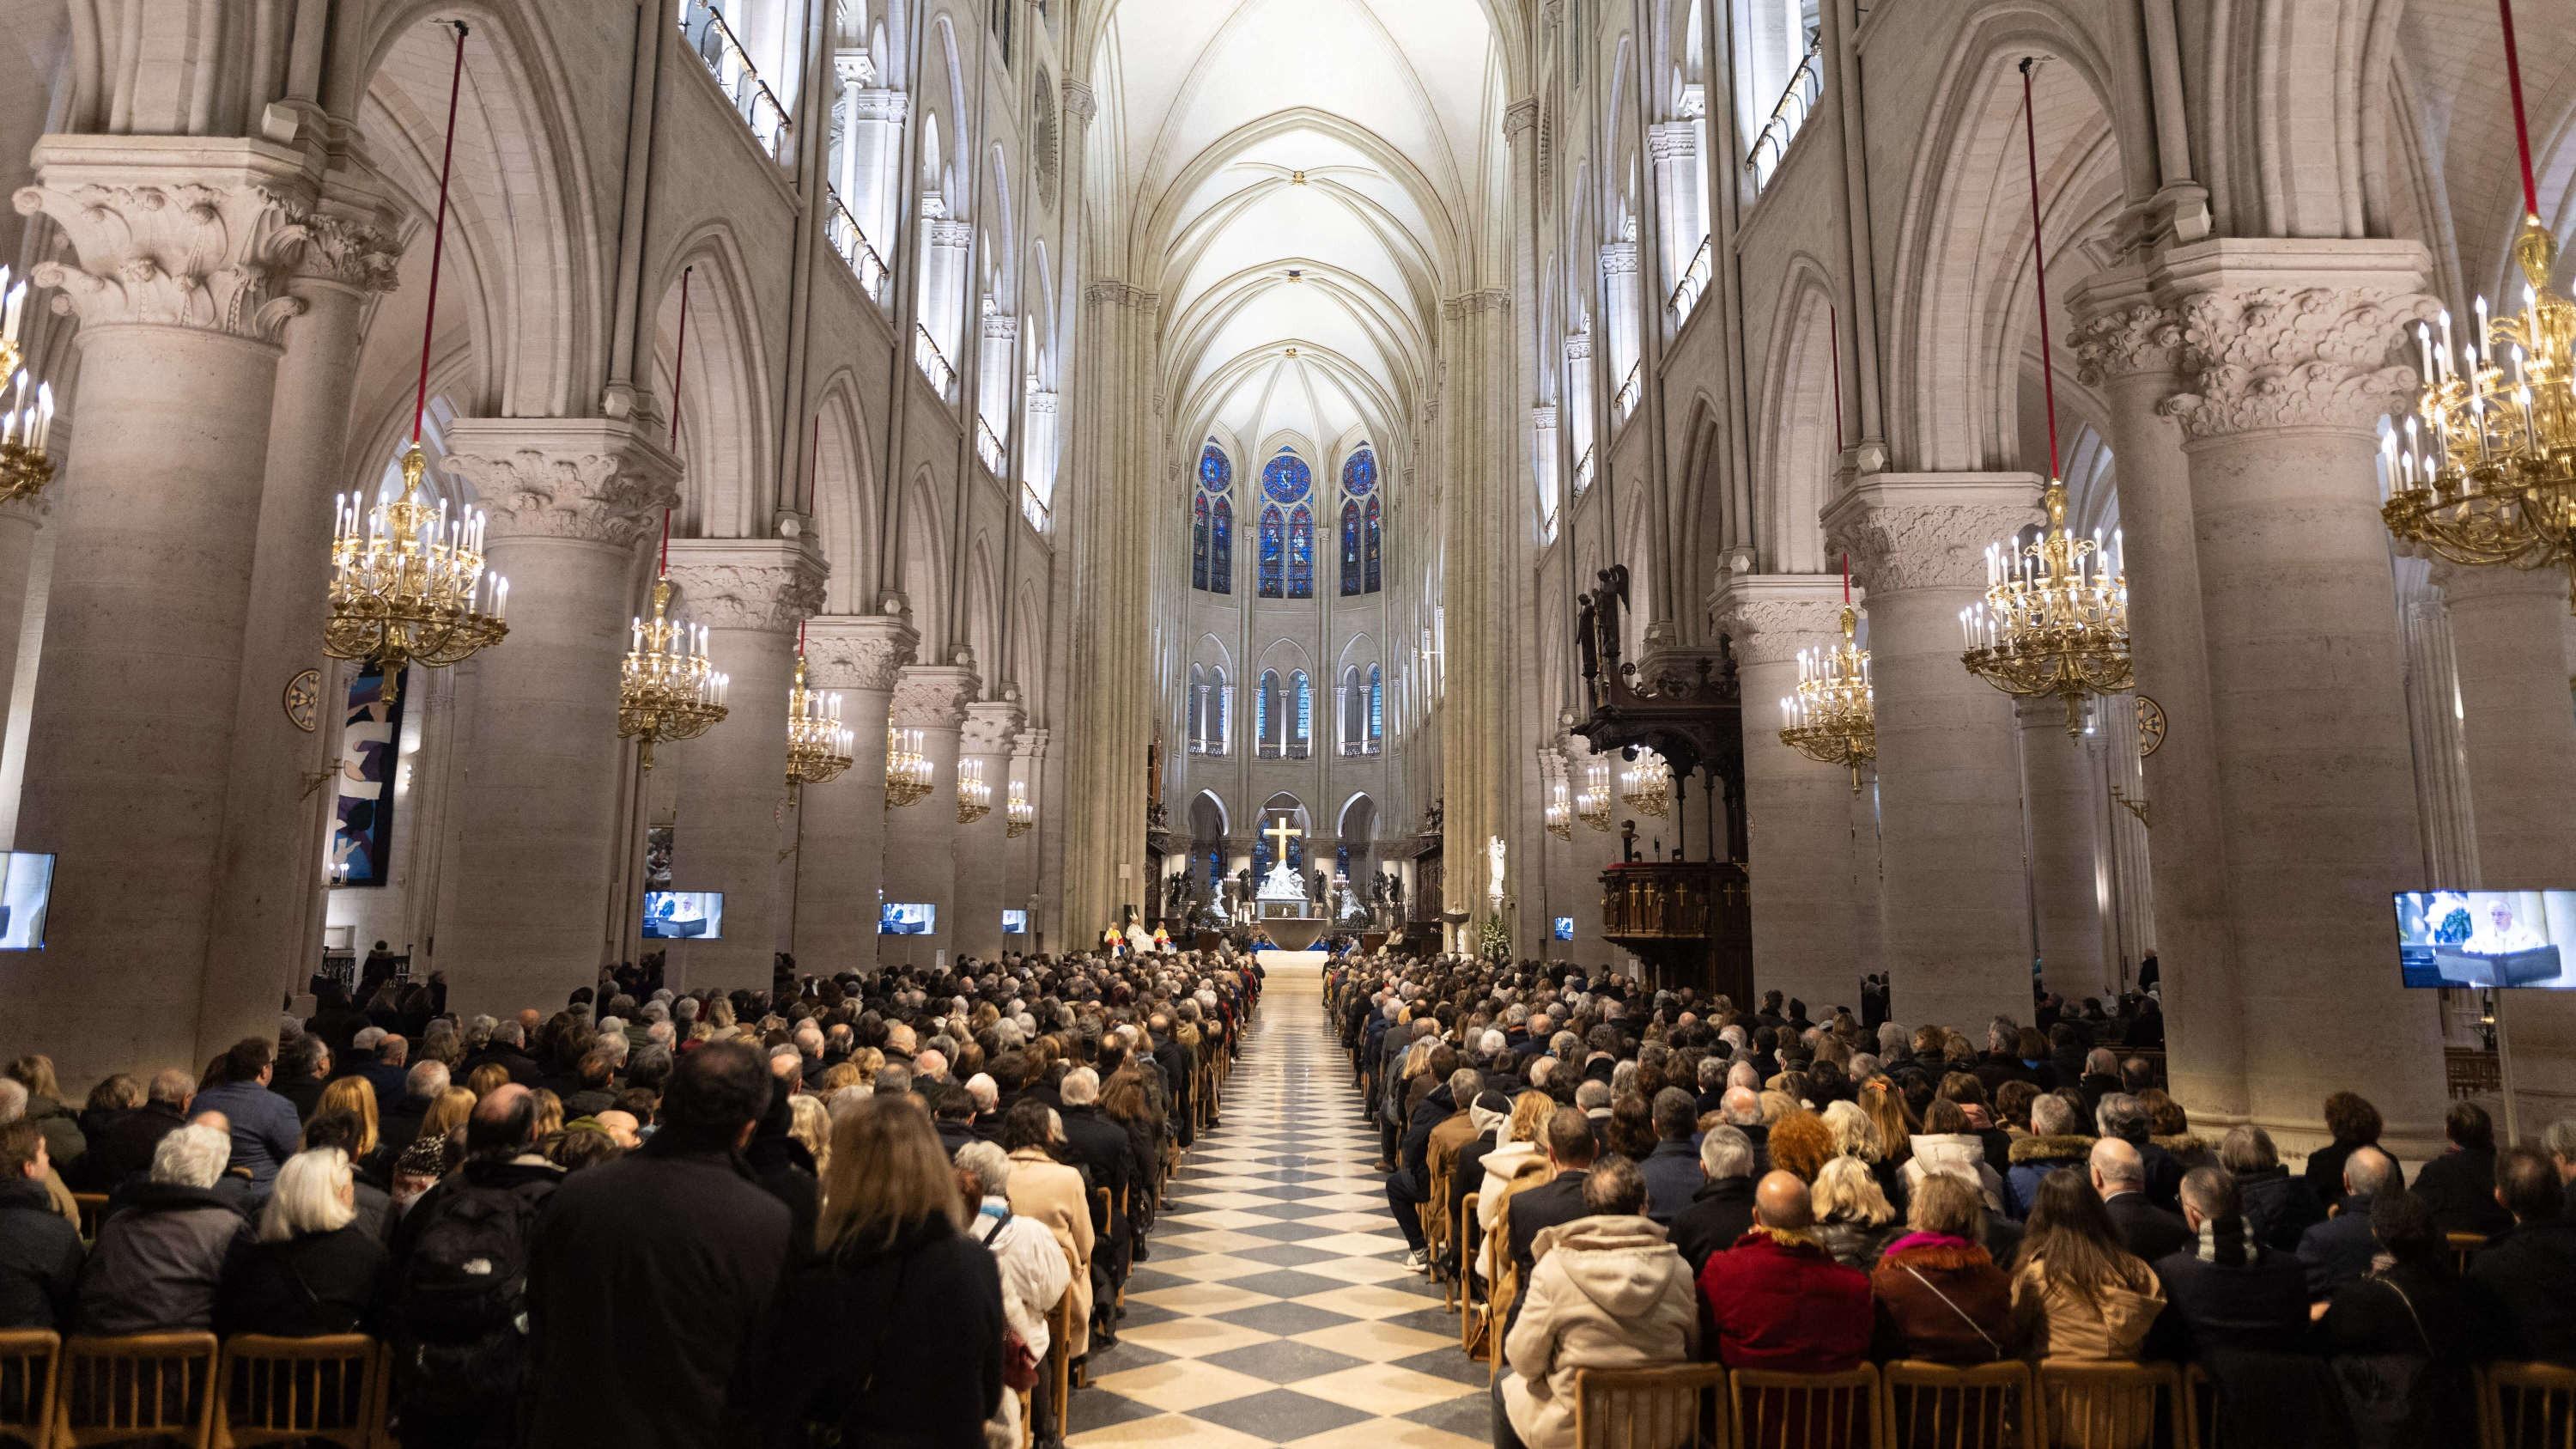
(1494, 849)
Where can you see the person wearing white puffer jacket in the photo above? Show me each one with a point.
(1946, 1145)
(1608, 1292)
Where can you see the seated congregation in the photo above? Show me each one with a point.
(1655, 1192)
(895, 1211)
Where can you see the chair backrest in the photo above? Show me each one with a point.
(28, 1360)
(93, 1206)
(2527, 1406)
(134, 1387)
(2086, 1404)
(1941, 1406)
(2463, 1246)
(2199, 1408)
(1649, 1408)
(292, 1390)
(1806, 1411)
(1057, 1372)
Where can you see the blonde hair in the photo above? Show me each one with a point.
(1530, 1111)
(486, 1079)
(888, 1176)
(550, 1114)
(447, 1112)
(1855, 1135)
(810, 1123)
(357, 1097)
(312, 1195)
(1848, 1190)
(1944, 1202)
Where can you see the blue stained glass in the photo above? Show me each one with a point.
(1216, 471)
(1261, 706)
(1377, 705)
(1370, 585)
(1274, 540)
(1305, 708)
(1287, 478)
(1359, 475)
(1221, 550)
(1199, 545)
(1301, 554)
(1350, 549)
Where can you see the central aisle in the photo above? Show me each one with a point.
(1276, 1308)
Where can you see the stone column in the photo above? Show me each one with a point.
(2521, 737)
(1020, 873)
(1674, 145)
(841, 827)
(1621, 311)
(944, 250)
(980, 846)
(2287, 347)
(996, 352)
(2059, 783)
(921, 860)
(874, 120)
(1957, 945)
(1798, 812)
(19, 524)
(526, 915)
(750, 594)
(178, 275)
(2130, 347)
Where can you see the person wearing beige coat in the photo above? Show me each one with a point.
(1047, 1191)
(1608, 1292)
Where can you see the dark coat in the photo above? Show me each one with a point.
(2145, 1229)
(266, 1130)
(2324, 1170)
(521, 1067)
(1413, 1153)
(1786, 1306)
(2260, 1305)
(2400, 1342)
(1720, 1212)
(2339, 1249)
(1100, 1148)
(2278, 1207)
(2034, 1158)
(2525, 1285)
(304, 1094)
(1672, 1178)
(40, 1259)
(321, 1283)
(2459, 1186)
(159, 1259)
(898, 1348)
(124, 1154)
(398, 1124)
(1533, 1210)
(688, 1240)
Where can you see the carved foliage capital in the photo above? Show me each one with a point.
(2125, 341)
(1772, 630)
(989, 728)
(933, 696)
(773, 588)
(1923, 546)
(2282, 357)
(858, 652)
(595, 494)
(1520, 115)
(1079, 103)
(205, 257)
(1471, 304)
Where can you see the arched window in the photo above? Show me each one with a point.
(1265, 709)
(1221, 722)
(1221, 548)
(1199, 544)
(1376, 710)
(1198, 709)
(1350, 549)
(1369, 583)
(1302, 741)
(1301, 553)
(1274, 547)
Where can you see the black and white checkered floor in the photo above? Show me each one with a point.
(1276, 1308)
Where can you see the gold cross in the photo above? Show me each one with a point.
(1280, 834)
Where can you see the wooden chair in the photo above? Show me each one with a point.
(2526, 1406)
(1504, 1292)
(1942, 1406)
(292, 1390)
(2199, 1409)
(1467, 1276)
(2085, 1404)
(1057, 1372)
(1435, 1235)
(1650, 1408)
(28, 1360)
(1806, 1411)
(93, 1206)
(2464, 1246)
(135, 1387)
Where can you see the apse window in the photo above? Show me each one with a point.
(683, 915)
(26, 884)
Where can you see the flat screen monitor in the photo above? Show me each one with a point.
(2487, 938)
(1565, 928)
(26, 884)
(1015, 923)
(907, 918)
(684, 915)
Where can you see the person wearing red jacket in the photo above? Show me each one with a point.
(1777, 1298)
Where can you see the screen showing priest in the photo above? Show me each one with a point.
(2487, 938)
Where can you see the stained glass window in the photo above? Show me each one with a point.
(1216, 471)
(1261, 707)
(1301, 554)
(1369, 586)
(1305, 708)
(1359, 475)
(1199, 545)
(1350, 548)
(1216, 873)
(1274, 544)
(1376, 705)
(1221, 548)
(1287, 478)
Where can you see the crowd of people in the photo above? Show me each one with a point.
(1631, 1178)
(845, 1210)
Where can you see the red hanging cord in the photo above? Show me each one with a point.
(438, 235)
(2039, 261)
(2521, 126)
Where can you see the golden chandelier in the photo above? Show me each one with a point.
(1592, 802)
(25, 466)
(974, 792)
(668, 689)
(2055, 623)
(1647, 784)
(1833, 719)
(2489, 476)
(907, 771)
(1560, 811)
(1021, 817)
(818, 744)
(408, 585)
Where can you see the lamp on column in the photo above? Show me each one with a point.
(669, 688)
(1833, 719)
(408, 584)
(1560, 811)
(1592, 802)
(1021, 816)
(1647, 784)
(818, 744)
(2488, 475)
(25, 466)
(907, 779)
(974, 792)
(2055, 621)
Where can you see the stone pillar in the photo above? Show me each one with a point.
(19, 524)
(1957, 946)
(750, 594)
(2445, 817)
(980, 846)
(1674, 145)
(1798, 812)
(2059, 782)
(943, 290)
(526, 916)
(2521, 737)
(997, 350)
(1020, 871)
(1620, 311)
(2130, 347)
(921, 860)
(2287, 348)
(178, 276)
(841, 827)
(873, 141)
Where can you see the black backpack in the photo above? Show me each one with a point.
(459, 1305)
